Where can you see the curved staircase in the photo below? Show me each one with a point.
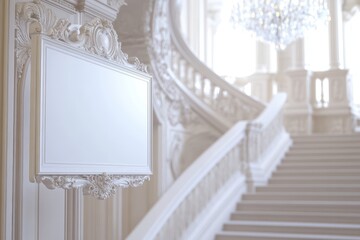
(311, 195)
(314, 194)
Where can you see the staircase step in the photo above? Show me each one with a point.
(294, 196)
(315, 180)
(324, 151)
(323, 158)
(297, 140)
(300, 206)
(297, 217)
(338, 164)
(316, 165)
(318, 172)
(227, 235)
(313, 194)
(297, 228)
(326, 145)
(340, 188)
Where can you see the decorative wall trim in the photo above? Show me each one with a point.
(99, 186)
(96, 37)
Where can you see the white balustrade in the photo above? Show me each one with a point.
(192, 192)
(246, 107)
(330, 89)
(173, 214)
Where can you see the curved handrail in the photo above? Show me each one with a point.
(208, 173)
(221, 96)
(181, 204)
(263, 130)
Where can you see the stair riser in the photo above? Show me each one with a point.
(314, 181)
(294, 229)
(300, 198)
(307, 189)
(317, 166)
(323, 152)
(316, 173)
(299, 208)
(239, 237)
(322, 160)
(325, 139)
(328, 145)
(291, 217)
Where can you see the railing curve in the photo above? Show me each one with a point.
(193, 190)
(209, 87)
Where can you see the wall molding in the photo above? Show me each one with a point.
(96, 37)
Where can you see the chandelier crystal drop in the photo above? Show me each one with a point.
(279, 22)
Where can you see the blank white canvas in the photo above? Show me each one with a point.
(94, 116)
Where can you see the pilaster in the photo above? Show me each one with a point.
(297, 109)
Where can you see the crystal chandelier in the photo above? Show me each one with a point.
(279, 22)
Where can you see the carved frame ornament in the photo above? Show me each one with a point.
(96, 37)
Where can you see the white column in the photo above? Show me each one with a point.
(285, 59)
(336, 37)
(213, 20)
(261, 81)
(196, 25)
(298, 57)
(262, 57)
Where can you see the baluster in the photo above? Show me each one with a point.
(207, 91)
(202, 88)
(197, 84)
(175, 62)
(190, 77)
(225, 172)
(183, 71)
(192, 86)
(210, 95)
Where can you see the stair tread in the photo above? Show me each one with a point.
(317, 177)
(295, 163)
(293, 224)
(288, 236)
(300, 213)
(303, 194)
(344, 171)
(309, 203)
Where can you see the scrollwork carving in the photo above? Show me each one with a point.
(96, 37)
(100, 186)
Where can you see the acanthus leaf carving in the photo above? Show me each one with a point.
(96, 37)
(101, 186)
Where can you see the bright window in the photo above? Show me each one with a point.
(317, 49)
(234, 50)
